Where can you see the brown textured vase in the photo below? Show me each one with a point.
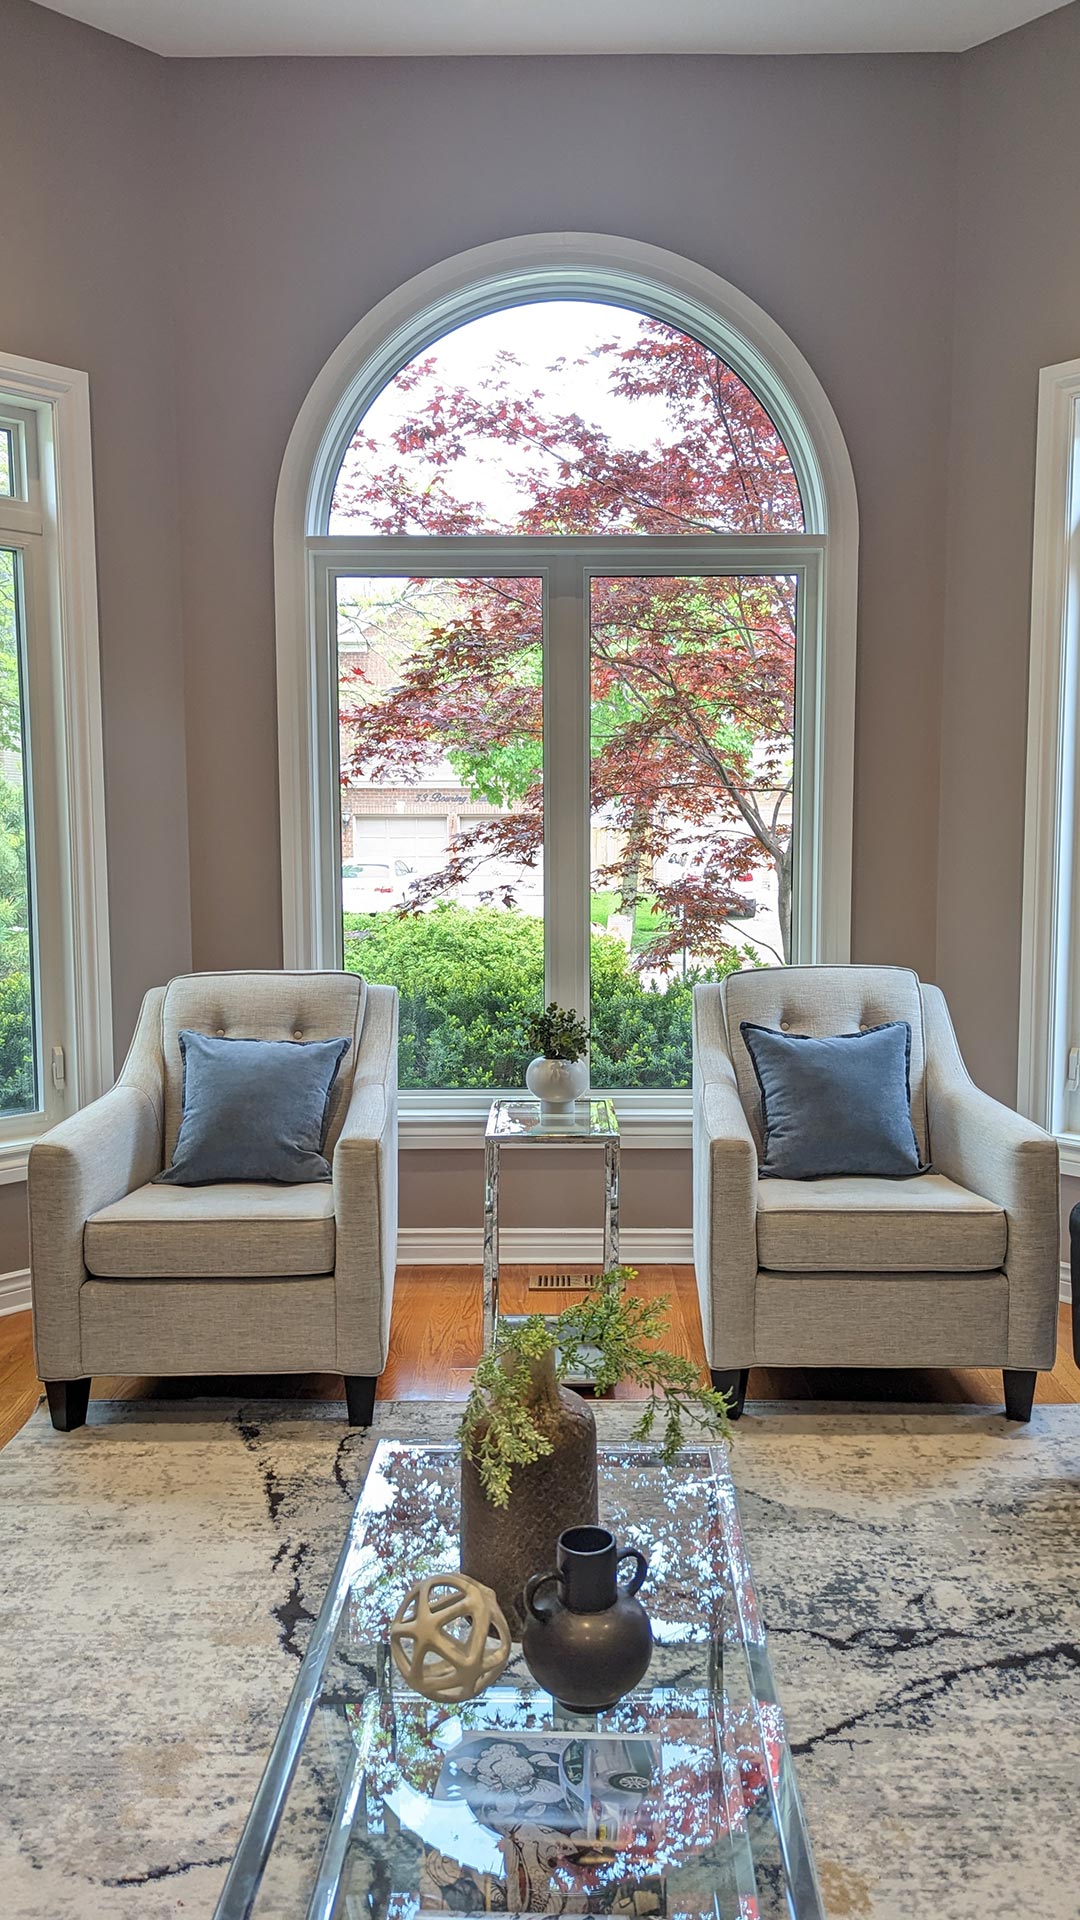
(502, 1546)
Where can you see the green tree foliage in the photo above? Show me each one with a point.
(692, 680)
(470, 979)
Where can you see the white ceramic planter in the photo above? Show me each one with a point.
(557, 1083)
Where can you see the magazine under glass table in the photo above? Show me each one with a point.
(679, 1801)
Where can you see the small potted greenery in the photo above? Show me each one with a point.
(528, 1444)
(559, 1074)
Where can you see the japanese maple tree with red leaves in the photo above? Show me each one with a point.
(693, 679)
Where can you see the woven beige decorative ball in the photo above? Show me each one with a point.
(449, 1638)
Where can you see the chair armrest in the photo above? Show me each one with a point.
(995, 1152)
(725, 1194)
(982, 1144)
(724, 1119)
(365, 1193)
(86, 1162)
(975, 1139)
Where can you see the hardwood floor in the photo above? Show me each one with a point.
(435, 1337)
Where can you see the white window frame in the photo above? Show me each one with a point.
(1050, 941)
(687, 296)
(53, 523)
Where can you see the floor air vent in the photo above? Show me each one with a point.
(562, 1282)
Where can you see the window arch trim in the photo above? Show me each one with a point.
(619, 289)
(512, 272)
(542, 267)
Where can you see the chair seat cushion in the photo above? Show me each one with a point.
(860, 1225)
(243, 1230)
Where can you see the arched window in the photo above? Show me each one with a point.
(567, 564)
(566, 417)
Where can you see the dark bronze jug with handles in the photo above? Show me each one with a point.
(587, 1640)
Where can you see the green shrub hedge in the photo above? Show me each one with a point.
(16, 1044)
(469, 977)
(17, 1093)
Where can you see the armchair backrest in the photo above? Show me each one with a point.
(821, 1001)
(261, 1006)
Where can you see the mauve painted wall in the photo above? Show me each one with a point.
(1017, 309)
(84, 282)
(84, 220)
(309, 189)
(263, 206)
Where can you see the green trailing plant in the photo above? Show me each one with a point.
(614, 1336)
(558, 1033)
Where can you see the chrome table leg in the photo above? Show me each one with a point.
(491, 1243)
(611, 1205)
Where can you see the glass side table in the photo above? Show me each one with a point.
(525, 1122)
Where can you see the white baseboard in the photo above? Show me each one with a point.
(1065, 1289)
(15, 1291)
(464, 1246)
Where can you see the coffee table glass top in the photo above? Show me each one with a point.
(523, 1118)
(680, 1801)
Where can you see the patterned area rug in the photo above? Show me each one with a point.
(920, 1577)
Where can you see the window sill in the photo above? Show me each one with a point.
(458, 1125)
(14, 1155)
(456, 1121)
(1069, 1155)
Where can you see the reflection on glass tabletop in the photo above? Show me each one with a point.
(679, 1801)
(525, 1119)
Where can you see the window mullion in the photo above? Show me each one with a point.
(19, 520)
(566, 788)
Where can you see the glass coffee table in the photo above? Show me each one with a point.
(679, 1801)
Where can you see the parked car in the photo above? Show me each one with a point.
(370, 886)
(741, 906)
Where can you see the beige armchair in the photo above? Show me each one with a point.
(128, 1277)
(957, 1267)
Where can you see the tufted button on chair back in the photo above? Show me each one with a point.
(821, 1001)
(261, 1006)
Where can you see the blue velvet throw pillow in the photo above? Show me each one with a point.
(254, 1110)
(838, 1105)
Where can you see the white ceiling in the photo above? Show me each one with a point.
(207, 28)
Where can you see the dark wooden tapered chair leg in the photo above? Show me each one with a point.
(360, 1398)
(1019, 1393)
(68, 1401)
(734, 1386)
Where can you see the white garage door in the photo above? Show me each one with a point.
(395, 836)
